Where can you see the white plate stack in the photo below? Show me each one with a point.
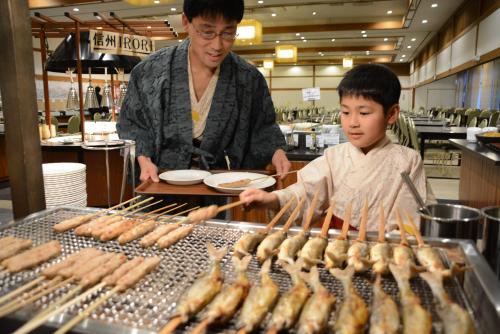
(65, 184)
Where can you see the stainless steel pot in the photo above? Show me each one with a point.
(492, 237)
(450, 221)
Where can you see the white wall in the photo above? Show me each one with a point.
(439, 93)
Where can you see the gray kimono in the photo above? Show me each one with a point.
(156, 113)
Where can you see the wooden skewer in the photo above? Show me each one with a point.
(201, 327)
(140, 209)
(86, 313)
(120, 212)
(327, 221)
(278, 216)
(158, 210)
(346, 223)
(166, 219)
(58, 302)
(100, 212)
(310, 211)
(245, 182)
(381, 224)
(402, 231)
(364, 221)
(15, 299)
(171, 325)
(21, 289)
(420, 240)
(293, 215)
(229, 206)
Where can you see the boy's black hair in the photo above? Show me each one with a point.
(230, 10)
(374, 82)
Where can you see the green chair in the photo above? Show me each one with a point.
(97, 116)
(494, 118)
(55, 122)
(457, 121)
(472, 121)
(483, 123)
(74, 124)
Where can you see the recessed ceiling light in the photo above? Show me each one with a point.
(401, 60)
(277, 42)
(409, 46)
(389, 12)
(386, 39)
(363, 31)
(314, 13)
(302, 37)
(403, 56)
(333, 39)
(274, 54)
(260, 2)
(99, 28)
(173, 9)
(180, 41)
(304, 40)
(365, 35)
(413, 39)
(156, 1)
(273, 14)
(76, 9)
(434, 5)
(367, 53)
(149, 27)
(297, 34)
(322, 55)
(424, 21)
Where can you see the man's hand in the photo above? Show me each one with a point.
(148, 169)
(258, 197)
(281, 163)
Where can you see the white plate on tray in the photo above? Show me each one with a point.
(184, 177)
(214, 180)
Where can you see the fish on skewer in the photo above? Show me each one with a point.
(416, 319)
(312, 252)
(314, 317)
(336, 251)
(269, 246)
(353, 315)
(32, 257)
(402, 253)
(227, 302)
(247, 244)
(288, 308)
(201, 292)
(455, 319)
(385, 315)
(260, 300)
(358, 254)
(291, 246)
(381, 252)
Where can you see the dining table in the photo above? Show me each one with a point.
(439, 133)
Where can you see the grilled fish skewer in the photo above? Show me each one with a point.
(291, 246)
(416, 319)
(259, 301)
(314, 317)
(270, 244)
(227, 302)
(203, 290)
(336, 251)
(32, 257)
(381, 252)
(312, 252)
(353, 315)
(358, 253)
(249, 241)
(288, 308)
(385, 316)
(455, 319)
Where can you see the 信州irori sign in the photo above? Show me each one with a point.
(120, 44)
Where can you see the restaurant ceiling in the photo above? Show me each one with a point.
(323, 31)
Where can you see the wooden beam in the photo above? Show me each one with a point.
(24, 156)
(116, 17)
(43, 55)
(106, 21)
(321, 49)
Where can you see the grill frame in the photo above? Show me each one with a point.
(478, 289)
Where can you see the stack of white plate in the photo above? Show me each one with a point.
(65, 184)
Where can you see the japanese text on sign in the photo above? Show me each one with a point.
(311, 94)
(120, 44)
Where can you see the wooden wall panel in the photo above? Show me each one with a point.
(466, 15)
(446, 34)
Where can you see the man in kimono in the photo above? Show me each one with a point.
(200, 105)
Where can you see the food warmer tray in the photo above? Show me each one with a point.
(147, 307)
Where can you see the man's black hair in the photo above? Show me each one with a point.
(374, 82)
(230, 10)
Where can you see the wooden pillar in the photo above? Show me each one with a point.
(79, 74)
(43, 52)
(17, 82)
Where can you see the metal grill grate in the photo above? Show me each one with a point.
(147, 307)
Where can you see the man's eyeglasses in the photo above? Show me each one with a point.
(209, 35)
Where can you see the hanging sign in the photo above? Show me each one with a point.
(311, 94)
(120, 44)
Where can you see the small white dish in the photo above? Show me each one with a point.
(214, 180)
(184, 177)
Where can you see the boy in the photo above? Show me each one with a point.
(368, 166)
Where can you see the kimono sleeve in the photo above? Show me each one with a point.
(265, 135)
(134, 122)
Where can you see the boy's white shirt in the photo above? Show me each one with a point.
(344, 174)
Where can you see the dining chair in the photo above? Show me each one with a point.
(472, 121)
(55, 122)
(97, 116)
(494, 118)
(483, 123)
(74, 124)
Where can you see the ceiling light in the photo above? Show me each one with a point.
(434, 5)
(365, 35)
(389, 12)
(413, 39)
(304, 40)
(319, 52)
(347, 62)
(286, 53)
(401, 60)
(424, 21)
(156, 1)
(249, 32)
(99, 28)
(363, 31)
(173, 9)
(149, 27)
(277, 42)
(260, 2)
(297, 34)
(403, 56)
(314, 13)
(273, 14)
(333, 39)
(322, 55)
(386, 39)
(367, 53)
(409, 46)
(180, 40)
(76, 9)
(268, 64)
(302, 37)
